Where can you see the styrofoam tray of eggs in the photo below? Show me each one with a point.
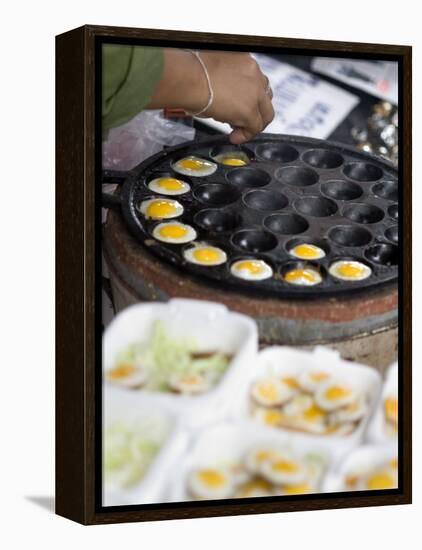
(141, 439)
(384, 424)
(316, 393)
(369, 467)
(213, 327)
(239, 460)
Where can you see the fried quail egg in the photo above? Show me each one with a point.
(210, 483)
(391, 409)
(127, 375)
(251, 270)
(205, 254)
(239, 473)
(159, 209)
(233, 159)
(298, 404)
(310, 380)
(299, 489)
(313, 420)
(168, 186)
(334, 394)
(381, 479)
(189, 383)
(307, 251)
(194, 166)
(271, 417)
(285, 469)
(255, 458)
(303, 276)
(292, 382)
(270, 392)
(174, 233)
(254, 488)
(350, 413)
(349, 270)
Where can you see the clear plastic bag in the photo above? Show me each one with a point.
(146, 134)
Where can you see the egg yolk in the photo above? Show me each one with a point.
(350, 270)
(394, 463)
(231, 161)
(260, 456)
(254, 485)
(285, 466)
(212, 478)
(160, 209)
(301, 275)
(251, 266)
(121, 371)
(381, 480)
(335, 393)
(267, 391)
(170, 184)
(193, 164)
(291, 382)
(273, 417)
(391, 408)
(207, 255)
(173, 231)
(319, 376)
(307, 251)
(300, 489)
(190, 380)
(313, 414)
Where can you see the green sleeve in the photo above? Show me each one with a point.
(130, 75)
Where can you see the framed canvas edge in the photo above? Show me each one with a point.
(76, 343)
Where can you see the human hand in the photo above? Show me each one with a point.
(242, 96)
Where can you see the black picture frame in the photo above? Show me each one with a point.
(78, 315)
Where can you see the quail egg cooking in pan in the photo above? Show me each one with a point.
(282, 215)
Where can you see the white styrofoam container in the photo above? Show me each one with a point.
(226, 443)
(360, 459)
(376, 432)
(284, 361)
(125, 407)
(212, 326)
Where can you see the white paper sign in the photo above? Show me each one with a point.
(303, 103)
(378, 78)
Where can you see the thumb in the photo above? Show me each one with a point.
(238, 136)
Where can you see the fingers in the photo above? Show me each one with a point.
(252, 125)
(266, 109)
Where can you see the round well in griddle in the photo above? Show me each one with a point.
(323, 158)
(363, 213)
(341, 190)
(297, 175)
(243, 178)
(254, 241)
(393, 211)
(362, 171)
(217, 220)
(265, 200)
(349, 235)
(392, 234)
(384, 254)
(277, 152)
(216, 194)
(317, 207)
(386, 190)
(286, 224)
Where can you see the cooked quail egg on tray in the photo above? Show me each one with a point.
(160, 209)
(169, 186)
(174, 233)
(205, 254)
(194, 166)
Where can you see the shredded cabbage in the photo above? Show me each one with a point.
(163, 356)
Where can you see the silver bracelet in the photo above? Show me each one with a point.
(207, 76)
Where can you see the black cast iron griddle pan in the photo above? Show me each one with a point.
(294, 190)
